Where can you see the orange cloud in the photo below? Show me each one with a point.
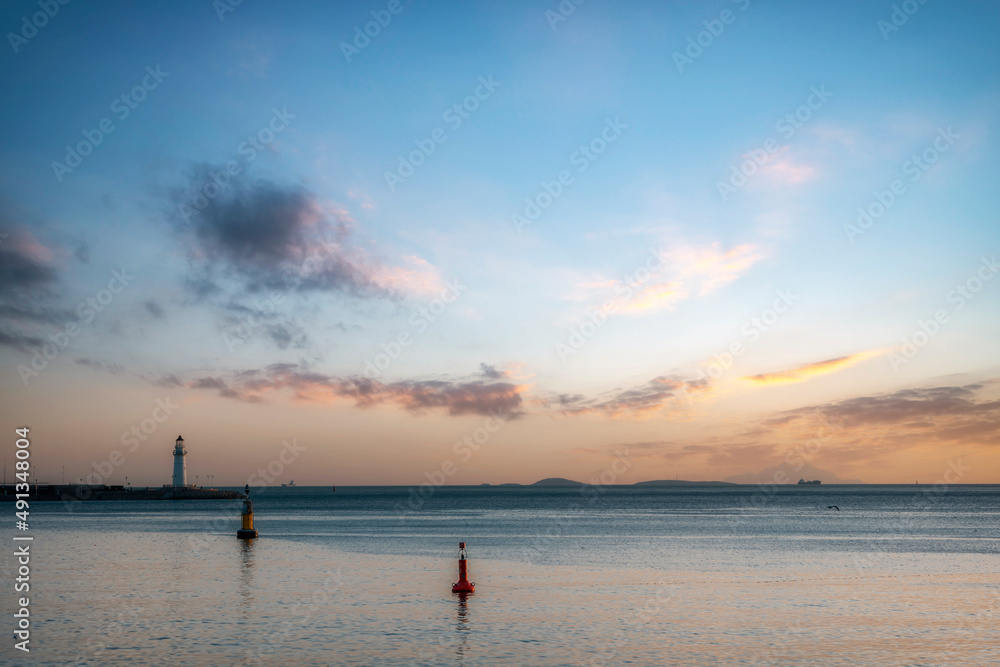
(803, 373)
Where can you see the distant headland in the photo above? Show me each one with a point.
(562, 481)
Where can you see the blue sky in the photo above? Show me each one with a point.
(653, 192)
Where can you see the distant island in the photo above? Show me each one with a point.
(563, 482)
(786, 473)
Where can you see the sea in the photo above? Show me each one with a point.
(614, 575)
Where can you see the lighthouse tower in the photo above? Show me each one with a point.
(180, 468)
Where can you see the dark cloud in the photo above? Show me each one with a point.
(153, 308)
(454, 397)
(490, 372)
(651, 396)
(82, 252)
(27, 283)
(270, 236)
(21, 267)
(244, 321)
(957, 414)
(170, 380)
(287, 334)
(114, 369)
(19, 341)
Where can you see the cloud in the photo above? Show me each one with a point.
(454, 397)
(28, 278)
(783, 169)
(276, 237)
(633, 402)
(705, 268)
(242, 322)
(153, 308)
(25, 263)
(19, 340)
(670, 275)
(113, 368)
(803, 373)
(965, 415)
(490, 372)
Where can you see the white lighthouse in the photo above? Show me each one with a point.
(180, 468)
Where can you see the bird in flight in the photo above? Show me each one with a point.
(833, 507)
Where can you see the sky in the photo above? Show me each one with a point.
(403, 242)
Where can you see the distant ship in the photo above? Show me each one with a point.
(290, 483)
(814, 481)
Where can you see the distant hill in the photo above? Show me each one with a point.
(562, 481)
(680, 482)
(556, 481)
(791, 476)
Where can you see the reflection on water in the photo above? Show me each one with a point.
(463, 629)
(247, 565)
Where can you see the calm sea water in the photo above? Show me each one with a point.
(619, 575)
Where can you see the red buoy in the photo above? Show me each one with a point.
(463, 585)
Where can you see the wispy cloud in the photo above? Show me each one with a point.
(808, 371)
(708, 267)
(669, 276)
(635, 402)
(783, 168)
